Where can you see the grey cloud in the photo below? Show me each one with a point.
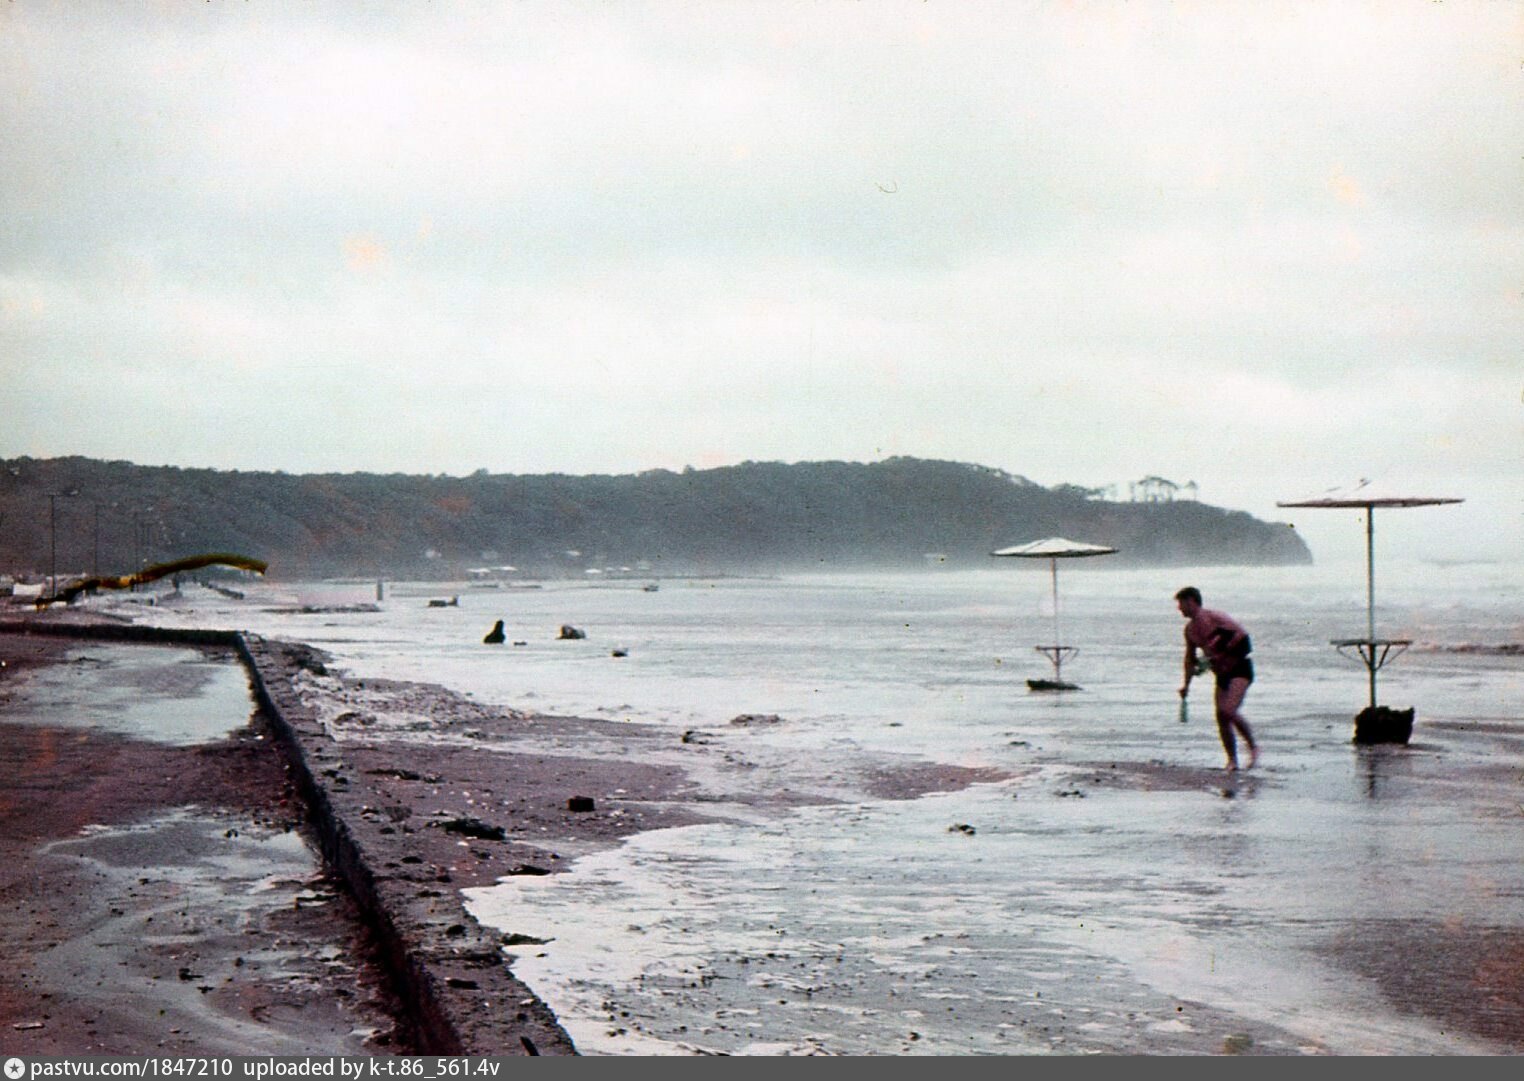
(786, 231)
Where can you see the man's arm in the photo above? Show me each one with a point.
(1229, 639)
(1190, 667)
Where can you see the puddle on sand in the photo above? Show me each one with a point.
(187, 934)
(165, 694)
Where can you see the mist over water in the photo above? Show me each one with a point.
(1082, 909)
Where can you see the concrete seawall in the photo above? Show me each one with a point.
(451, 974)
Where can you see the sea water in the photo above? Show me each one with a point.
(1054, 911)
(166, 694)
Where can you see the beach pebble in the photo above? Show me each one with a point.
(1237, 1043)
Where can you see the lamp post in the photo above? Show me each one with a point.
(53, 538)
(143, 525)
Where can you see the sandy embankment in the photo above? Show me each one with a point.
(117, 940)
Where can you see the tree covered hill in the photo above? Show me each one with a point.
(749, 518)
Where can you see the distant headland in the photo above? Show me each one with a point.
(88, 516)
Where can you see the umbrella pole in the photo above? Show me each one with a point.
(1370, 596)
(1058, 649)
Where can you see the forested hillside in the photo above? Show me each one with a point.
(749, 518)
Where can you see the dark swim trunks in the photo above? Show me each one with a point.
(1243, 668)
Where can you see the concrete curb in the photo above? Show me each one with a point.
(451, 973)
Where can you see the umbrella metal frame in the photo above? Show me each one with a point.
(1056, 653)
(1372, 652)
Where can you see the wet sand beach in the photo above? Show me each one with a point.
(162, 898)
(436, 795)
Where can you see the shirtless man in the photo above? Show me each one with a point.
(1226, 646)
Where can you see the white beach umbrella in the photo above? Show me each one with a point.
(1374, 652)
(1053, 549)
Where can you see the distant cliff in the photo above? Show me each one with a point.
(754, 517)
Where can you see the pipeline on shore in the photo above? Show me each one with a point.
(153, 573)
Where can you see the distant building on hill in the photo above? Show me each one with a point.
(1154, 489)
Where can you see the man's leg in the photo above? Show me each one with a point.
(1229, 698)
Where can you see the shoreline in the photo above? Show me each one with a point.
(423, 777)
(406, 825)
(444, 976)
(116, 938)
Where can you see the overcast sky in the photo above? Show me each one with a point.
(1267, 247)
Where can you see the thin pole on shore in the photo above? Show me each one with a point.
(1370, 592)
(1058, 649)
(52, 544)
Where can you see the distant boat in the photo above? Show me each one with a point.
(650, 587)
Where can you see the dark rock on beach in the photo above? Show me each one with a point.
(749, 720)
